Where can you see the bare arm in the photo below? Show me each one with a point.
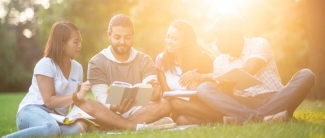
(188, 77)
(157, 93)
(253, 65)
(162, 81)
(46, 87)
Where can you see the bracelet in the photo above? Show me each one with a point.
(75, 98)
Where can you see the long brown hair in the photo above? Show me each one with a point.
(59, 35)
(194, 55)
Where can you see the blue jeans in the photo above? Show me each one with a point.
(35, 121)
(242, 108)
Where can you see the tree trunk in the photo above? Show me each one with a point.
(315, 15)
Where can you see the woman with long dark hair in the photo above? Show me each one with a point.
(183, 54)
(55, 86)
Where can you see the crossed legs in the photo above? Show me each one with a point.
(110, 120)
(152, 112)
(288, 98)
(193, 112)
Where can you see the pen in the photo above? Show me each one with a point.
(75, 81)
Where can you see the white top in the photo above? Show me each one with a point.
(63, 87)
(172, 79)
(268, 75)
(107, 52)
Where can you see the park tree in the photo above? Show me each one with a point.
(316, 39)
(294, 29)
(91, 17)
(18, 43)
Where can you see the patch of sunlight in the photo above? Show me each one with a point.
(312, 116)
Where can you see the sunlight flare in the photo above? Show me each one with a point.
(27, 33)
(225, 6)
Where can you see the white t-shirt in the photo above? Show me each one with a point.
(62, 86)
(172, 79)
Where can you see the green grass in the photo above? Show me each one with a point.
(309, 122)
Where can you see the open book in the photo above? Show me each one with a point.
(179, 93)
(242, 79)
(118, 91)
(75, 114)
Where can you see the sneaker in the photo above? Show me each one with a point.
(256, 118)
(160, 127)
(163, 123)
(227, 120)
(279, 117)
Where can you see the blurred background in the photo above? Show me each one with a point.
(294, 28)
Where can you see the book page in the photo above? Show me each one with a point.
(242, 79)
(179, 93)
(128, 85)
(58, 118)
(142, 85)
(117, 94)
(140, 92)
(76, 112)
(122, 84)
(143, 96)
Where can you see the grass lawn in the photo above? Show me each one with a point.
(309, 122)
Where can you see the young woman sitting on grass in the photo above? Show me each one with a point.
(183, 55)
(55, 86)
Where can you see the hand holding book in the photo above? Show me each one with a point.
(157, 92)
(119, 91)
(126, 105)
(188, 77)
(237, 79)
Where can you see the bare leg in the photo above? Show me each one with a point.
(194, 109)
(187, 120)
(104, 116)
(152, 112)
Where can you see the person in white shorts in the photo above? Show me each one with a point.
(121, 62)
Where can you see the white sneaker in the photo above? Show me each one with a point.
(279, 117)
(164, 120)
(163, 123)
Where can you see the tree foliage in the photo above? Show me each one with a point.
(282, 22)
(18, 54)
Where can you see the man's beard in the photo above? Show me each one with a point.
(117, 51)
